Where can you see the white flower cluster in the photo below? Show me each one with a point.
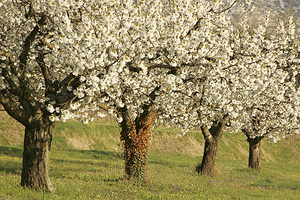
(182, 56)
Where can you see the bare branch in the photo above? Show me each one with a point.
(197, 24)
(44, 68)
(28, 42)
(205, 131)
(225, 9)
(44, 40)
(12, 108)
(173, 70)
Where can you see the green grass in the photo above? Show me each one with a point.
(96, 135)
(87, 163)
(95, 174)
(105, 136)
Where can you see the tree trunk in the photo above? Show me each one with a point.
(212, 137)
(254, 152)
(128, 134)
(209, 157)
(136, 135)
(36, 154)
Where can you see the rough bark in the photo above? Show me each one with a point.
(26, 106)
(209, 157)
(36, 155)
(127, 134)
(254, 152)
(254, 149)
(38, 133)
(136, 135)
(212, 137)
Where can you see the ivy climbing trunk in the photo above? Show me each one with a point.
(127, 134)
(136, 135)
(212, 137)
(254, 152)
(36, 154)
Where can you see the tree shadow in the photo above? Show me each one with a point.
(98, 154)
(11, 151)
(116, 179)
(71, 163)
(72, 160)
(13, 167)
(11, 159)
(163, 163)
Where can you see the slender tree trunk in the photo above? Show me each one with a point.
(136, 135)
(212, 137)
(36, 154)
(254, 152)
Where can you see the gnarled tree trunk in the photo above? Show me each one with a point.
(212, 137)
(254, 149)
(209, 156)
(127, 134)
(36, 155)
(26, 104)
(136, 135)
(254, 152)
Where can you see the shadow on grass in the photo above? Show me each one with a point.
(94, 154)
(168, 163)
(90, 160)
(247, 170)
(72, 163)
(117, 179)
(11, 151)
(11, 162)
(103, 154)
(11, 167)
(163, 163)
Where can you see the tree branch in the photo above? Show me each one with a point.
(173, 70)
(12, 108)
(28, 42)
(44, 68)
(224, 10)
(59, 92)
(206, 133)
(13, 87)
(197, 24)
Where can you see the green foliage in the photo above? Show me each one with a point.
(139, 163)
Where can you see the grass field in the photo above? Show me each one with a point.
(94, 174)
(87, 163)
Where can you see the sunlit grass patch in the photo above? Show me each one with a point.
(93, 174)
(98, 172)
